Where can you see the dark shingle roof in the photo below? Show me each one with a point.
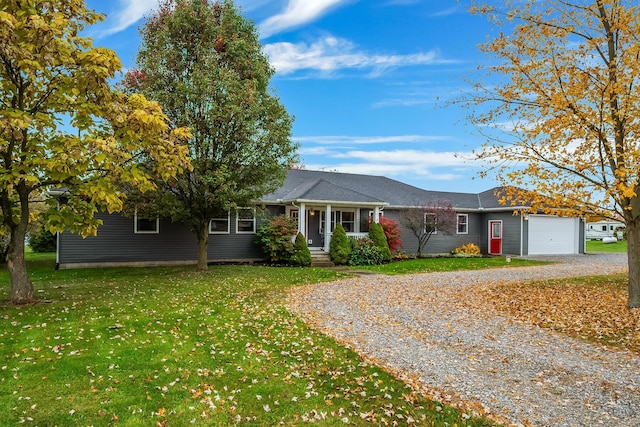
(322, 186)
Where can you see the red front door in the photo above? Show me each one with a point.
(495, 237)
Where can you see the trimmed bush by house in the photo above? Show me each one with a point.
(301, 254)
(468, 249)
(365, 252)
(339, 247)
(376, 233)
(275, 238)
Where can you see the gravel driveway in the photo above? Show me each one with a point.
(417, 326)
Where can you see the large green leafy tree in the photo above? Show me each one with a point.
(61, 125)
(564, 78)
(204, 63)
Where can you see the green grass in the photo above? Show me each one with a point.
(169, 346)
(598, 246)
(430, 265)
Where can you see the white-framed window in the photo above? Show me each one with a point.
(347, 218)
(145, 225)
(463, 224)
(294, 213)
(220, 225)
(245, 221)
(430, 223)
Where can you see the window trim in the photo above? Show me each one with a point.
(338, 213)
(252, 219)
(135, 225)
(424, 223)
(466, 224)
(228, 219)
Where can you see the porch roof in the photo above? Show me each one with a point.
(321, 191)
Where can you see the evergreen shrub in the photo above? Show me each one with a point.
(301, 253)
(339, 247)
(376, 233)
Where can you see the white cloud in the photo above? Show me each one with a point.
(386, 170)
(129, 12)
(331, 53)
(450, 11)
(410, 157)
(297, 12)
(428, 165)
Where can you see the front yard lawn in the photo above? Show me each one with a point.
(172, 347)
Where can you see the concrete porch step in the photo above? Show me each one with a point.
(321, 259)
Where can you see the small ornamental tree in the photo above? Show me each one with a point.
(339, 247)
(275, 238)
(393, 232)
(376, 234)
(436, 216)
(301, 254)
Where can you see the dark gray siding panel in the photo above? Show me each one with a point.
(439, 242)
(511, 231)
(116, 242)
(226, 247)
(273, 211)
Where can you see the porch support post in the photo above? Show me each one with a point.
(327, 228)
(376, 214)
(302, 218)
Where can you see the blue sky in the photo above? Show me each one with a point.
(367, 80)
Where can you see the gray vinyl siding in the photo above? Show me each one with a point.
(511, 232)
(440, 243)
(116, 242)
(478, 233)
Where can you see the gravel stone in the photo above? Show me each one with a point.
(418, 327)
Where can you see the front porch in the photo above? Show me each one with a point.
(313, 224)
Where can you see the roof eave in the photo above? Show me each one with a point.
(326, 202)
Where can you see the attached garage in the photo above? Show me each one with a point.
(551, 235)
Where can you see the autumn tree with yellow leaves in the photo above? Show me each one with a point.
(62, 126)
(559, 105)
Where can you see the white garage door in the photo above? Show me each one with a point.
(550, 235)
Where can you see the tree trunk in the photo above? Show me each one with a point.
(633, 254)
(21, 286)
(203, 243)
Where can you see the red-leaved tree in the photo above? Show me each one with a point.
(392, 232)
